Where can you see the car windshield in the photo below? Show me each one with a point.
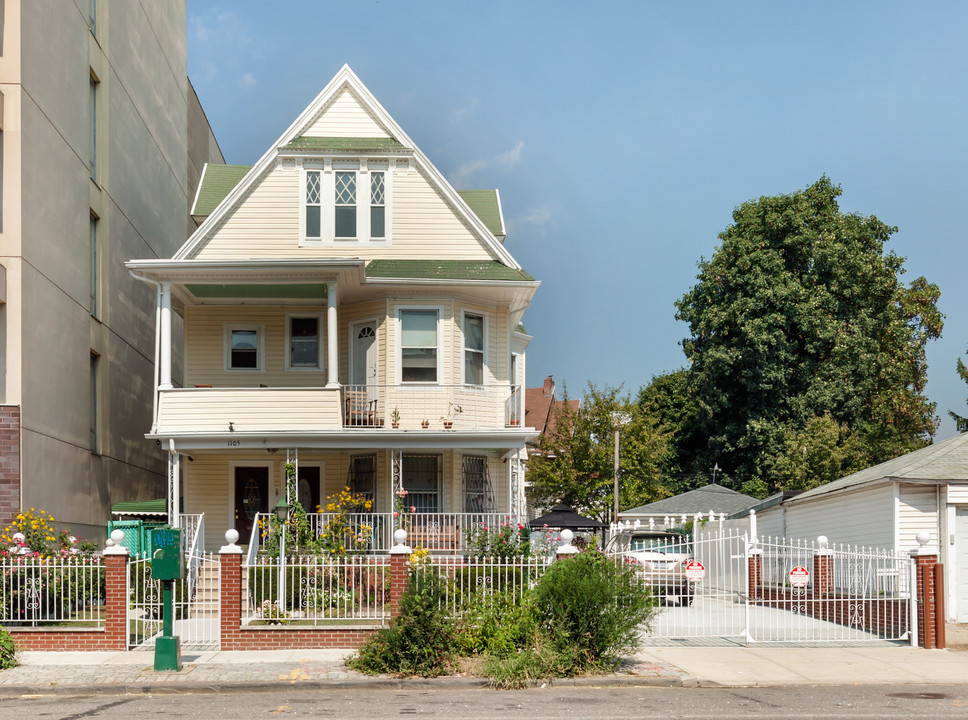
(658, 544)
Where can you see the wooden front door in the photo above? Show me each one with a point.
(251, 497)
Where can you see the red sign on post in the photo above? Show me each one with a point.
(695, 571)
(799, 577)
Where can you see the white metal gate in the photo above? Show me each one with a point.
(774, 590)
(195, 604)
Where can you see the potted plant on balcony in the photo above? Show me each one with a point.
(448, 421)
(395, 418)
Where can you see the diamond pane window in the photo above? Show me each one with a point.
(312, 204)
(345, 205)
(377, 205)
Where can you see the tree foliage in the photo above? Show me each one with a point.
(801, 313)
(574, 460)
(823, 451)
(961, 422)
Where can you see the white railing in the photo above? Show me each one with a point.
(38, 591)
(472, 582)
(317, 590)
(194, 529)
(435, 532)
(441, 407)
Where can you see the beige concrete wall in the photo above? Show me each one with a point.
(141, 197)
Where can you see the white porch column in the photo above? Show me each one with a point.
(332, 379)
(174, 480)
(164, 379)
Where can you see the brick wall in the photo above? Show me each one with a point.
(9, 463)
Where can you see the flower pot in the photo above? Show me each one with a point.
(448, 424)
(395, 425)
(515, 423)
(425, 424)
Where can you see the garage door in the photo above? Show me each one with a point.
(961, 548)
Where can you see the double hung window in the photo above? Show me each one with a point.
(419, 343)
(421, 480)
(243, 347)
(478, 495)
(304, 342)
(473, 331)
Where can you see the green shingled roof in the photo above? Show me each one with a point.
(343, 143)
(140, 507)
(217, 182)
(486, 206)
(445, 270)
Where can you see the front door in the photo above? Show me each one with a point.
(363, 370)
(251, 497)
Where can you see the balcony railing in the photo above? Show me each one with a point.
(441, 407)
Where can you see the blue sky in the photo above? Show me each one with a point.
(622, 135)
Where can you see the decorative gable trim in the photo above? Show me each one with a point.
(344, 78)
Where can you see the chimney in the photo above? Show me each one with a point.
(549, 387)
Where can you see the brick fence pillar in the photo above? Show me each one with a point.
(230, 593)
(9, 463)
(754, 572)
(399, 570)
(116, 598)
(566, 549)
(823, 569)
(926, 592)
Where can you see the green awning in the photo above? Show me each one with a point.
(141, 507)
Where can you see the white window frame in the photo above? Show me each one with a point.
(398, 351)
(260, 352)
(320, 339)
(464, 349)
(327, 170)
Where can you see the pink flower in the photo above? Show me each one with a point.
(413, 508)
(396, 514)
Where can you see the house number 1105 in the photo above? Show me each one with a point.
(234, 443)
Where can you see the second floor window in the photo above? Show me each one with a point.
(418, 346)
(348, 203)
(304, 342)
(473, 349)
(345, 213)
(244, 347)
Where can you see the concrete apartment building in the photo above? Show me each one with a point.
(101, 147)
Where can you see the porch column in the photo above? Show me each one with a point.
(164, 360)
(332, 379)
(174, 477)
(514, 486)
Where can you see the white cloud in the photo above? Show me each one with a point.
(460, 113)
(511, 158)
(506, 159)
(248, 80)
(535, 222)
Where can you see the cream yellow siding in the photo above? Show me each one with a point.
(345, 116)
(206, 341)
(269, 410)
(265, 225)
(958, 494)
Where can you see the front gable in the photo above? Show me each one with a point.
(344, 181)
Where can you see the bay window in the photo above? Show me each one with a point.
(419, 344)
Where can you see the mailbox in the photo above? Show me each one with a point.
(167, 560)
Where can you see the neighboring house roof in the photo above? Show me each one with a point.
(943, 461)
(701, 500)
(445, 270)
(563, 516)
(542, 406)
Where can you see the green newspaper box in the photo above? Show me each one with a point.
(167, 560)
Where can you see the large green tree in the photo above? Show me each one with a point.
(574, 462)
(801, 313)
(960, 421)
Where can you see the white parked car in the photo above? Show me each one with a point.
(659, 558)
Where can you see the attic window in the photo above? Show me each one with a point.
(346, 202)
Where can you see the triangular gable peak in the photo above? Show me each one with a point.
(345, 149)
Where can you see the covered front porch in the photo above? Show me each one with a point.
(438, 492)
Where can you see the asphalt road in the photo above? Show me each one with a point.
(853, 702)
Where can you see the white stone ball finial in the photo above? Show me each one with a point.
(567, 536)
(231, 536)
(822, 541)
(399, 536)
(117, 536)
(923, 538)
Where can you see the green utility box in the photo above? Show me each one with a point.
(167, 559)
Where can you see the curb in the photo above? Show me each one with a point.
(376, 683)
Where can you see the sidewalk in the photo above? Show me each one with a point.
(132, 672)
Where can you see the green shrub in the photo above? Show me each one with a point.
(590, 608)
(8, 653)
(420, 641)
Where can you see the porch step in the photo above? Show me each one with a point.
(206, 601)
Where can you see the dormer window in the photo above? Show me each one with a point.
(346, 202)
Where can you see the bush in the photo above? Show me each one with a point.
(8, 653)
(420, 641)
(590, 608)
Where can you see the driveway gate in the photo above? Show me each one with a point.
(776, 590)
